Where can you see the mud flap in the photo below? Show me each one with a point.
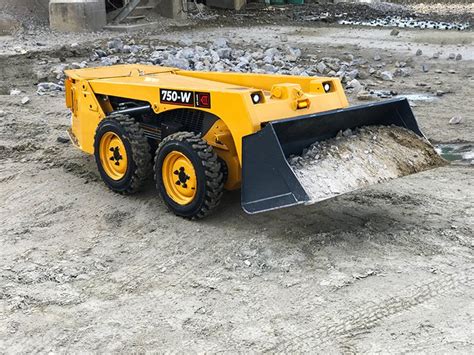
(268, 181)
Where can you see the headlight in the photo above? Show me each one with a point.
(256, 98)
(327, 87)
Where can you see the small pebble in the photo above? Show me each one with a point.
(456, 120)
(394, 32)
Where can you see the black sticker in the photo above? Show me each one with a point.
(177, 97)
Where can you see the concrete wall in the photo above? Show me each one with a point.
(227, 4)
(171, 9)
(77, 15)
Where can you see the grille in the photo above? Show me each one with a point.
(151, 131)
(190, 119)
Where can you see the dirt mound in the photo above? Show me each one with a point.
(366, 156)
(28, 12)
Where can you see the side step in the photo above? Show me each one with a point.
(124, 27)
(134, 10)
(126, 10)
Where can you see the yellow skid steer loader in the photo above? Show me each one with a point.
(201, 132)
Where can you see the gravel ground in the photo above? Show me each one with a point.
(386, 269)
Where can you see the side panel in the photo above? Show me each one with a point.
(220, 138)
(233, 107)
(87, 113)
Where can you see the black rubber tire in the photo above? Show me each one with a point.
(139, 167)
(224, 170)
(208, 174)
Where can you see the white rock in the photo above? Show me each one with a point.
(257, 55)
(394, 32)
(365, 96)
(456, 120)
(25, 100)
(186, 53)
(352, 74)
(269, 68)
(347, 133)
(220, 42)
(116, 43)
(296, 71)
(271, 52)
(356, 85)
(214, 56)
(180, 63)
(219, 67)
(44, 88)
(14, 92)
(321, 67)
(295, 52)
(386, 75)
(224, 53)
(185, 42)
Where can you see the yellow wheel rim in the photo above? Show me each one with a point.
(113, 156)
(179, 178)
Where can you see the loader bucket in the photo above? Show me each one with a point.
(269, 182)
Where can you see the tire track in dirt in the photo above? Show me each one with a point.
(327, 331)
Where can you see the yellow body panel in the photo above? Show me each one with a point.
(231, 101)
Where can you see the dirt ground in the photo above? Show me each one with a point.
(387, 269)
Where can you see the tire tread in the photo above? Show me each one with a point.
(212, 170)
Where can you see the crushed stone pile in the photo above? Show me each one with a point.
(409, 22)
(362, 157)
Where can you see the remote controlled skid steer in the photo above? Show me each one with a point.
(198, 133)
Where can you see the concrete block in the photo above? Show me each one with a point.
(8, 24)
(227, 4)
(171, 9)
(77, 15)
